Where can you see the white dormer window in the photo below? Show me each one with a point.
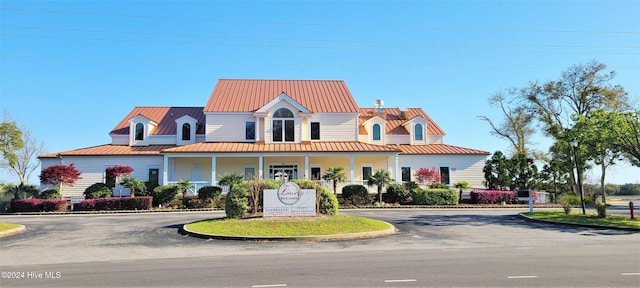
(139, 132)
(418, 132)
(186, 130)
(376, 132)
(140, 127)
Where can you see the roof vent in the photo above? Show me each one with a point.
(379, 109)
(403, 113)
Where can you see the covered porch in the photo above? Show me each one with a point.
(204, 170)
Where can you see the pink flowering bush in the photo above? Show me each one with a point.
(493, 196)
(115, 203)
(39, 205)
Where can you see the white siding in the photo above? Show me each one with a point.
(227, 127)
(461, 167)
(93, 168)
(435, 139)
(337, 126)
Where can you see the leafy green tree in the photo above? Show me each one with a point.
(380, 178)
(523, 173)
(555, 177)
(134, 185)
(10, 141)
(334, 174)
(626, 127)
(497, 172)
(580, 90)
(517, 124)
(183, 186)
(230, 179)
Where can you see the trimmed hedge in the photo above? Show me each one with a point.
(115, 203)
(437, 196)
(397, 193)
(328, 203)
(164, 194)
(98, 190)
(40, 205)
(209, 192)
(51, 193)
(493, 197)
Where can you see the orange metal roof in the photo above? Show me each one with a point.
(438, 149)
(111, 150)
(165, 117)
(234, 95)
(394, 123)
(235, 147)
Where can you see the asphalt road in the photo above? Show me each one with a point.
(437, 248)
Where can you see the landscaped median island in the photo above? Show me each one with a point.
(319, 228)
(7, 229)
(590, 219)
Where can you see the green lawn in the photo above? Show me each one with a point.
(590, 219)
(285, 226)
(7, 226)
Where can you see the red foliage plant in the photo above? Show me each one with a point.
(119, 171)
(428, 176)
(60, 175)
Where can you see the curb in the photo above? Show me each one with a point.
(318, 238)
(12, 231)
(578, 224)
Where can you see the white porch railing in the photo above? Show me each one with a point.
(324, 183)
(199, 184)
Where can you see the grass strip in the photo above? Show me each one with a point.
(7, 226)
(588, 219)
(287, 226)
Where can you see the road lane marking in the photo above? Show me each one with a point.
(400, 280)
(522, 277)
(269, 285)
(630, 274)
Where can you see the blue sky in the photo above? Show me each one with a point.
(70, 70)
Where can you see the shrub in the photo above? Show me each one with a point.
(164, 194)
(97, 190)
(397, 193)
(328, 203)
(434, 196)
(39, 205)
(236, 203)
(493, 197)
(209, 192)
(51, 193)
(567, 201)
(602, 210)
(115, 203)
(357, 194)
(410, 186)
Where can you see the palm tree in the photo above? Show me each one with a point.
(380, 178)
(230, 179)
(134, 184)
(335, 174)
(461, 185)
(184, 186)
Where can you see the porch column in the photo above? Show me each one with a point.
(214, 177)
(351, 169)
(258, 135)
(306, 167)
(260, 164)
(165, 170)
(398, 173)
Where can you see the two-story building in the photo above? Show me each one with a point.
(283, 129)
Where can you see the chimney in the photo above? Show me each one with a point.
(403, 113)
(379, 109)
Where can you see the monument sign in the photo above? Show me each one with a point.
(289, 200)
